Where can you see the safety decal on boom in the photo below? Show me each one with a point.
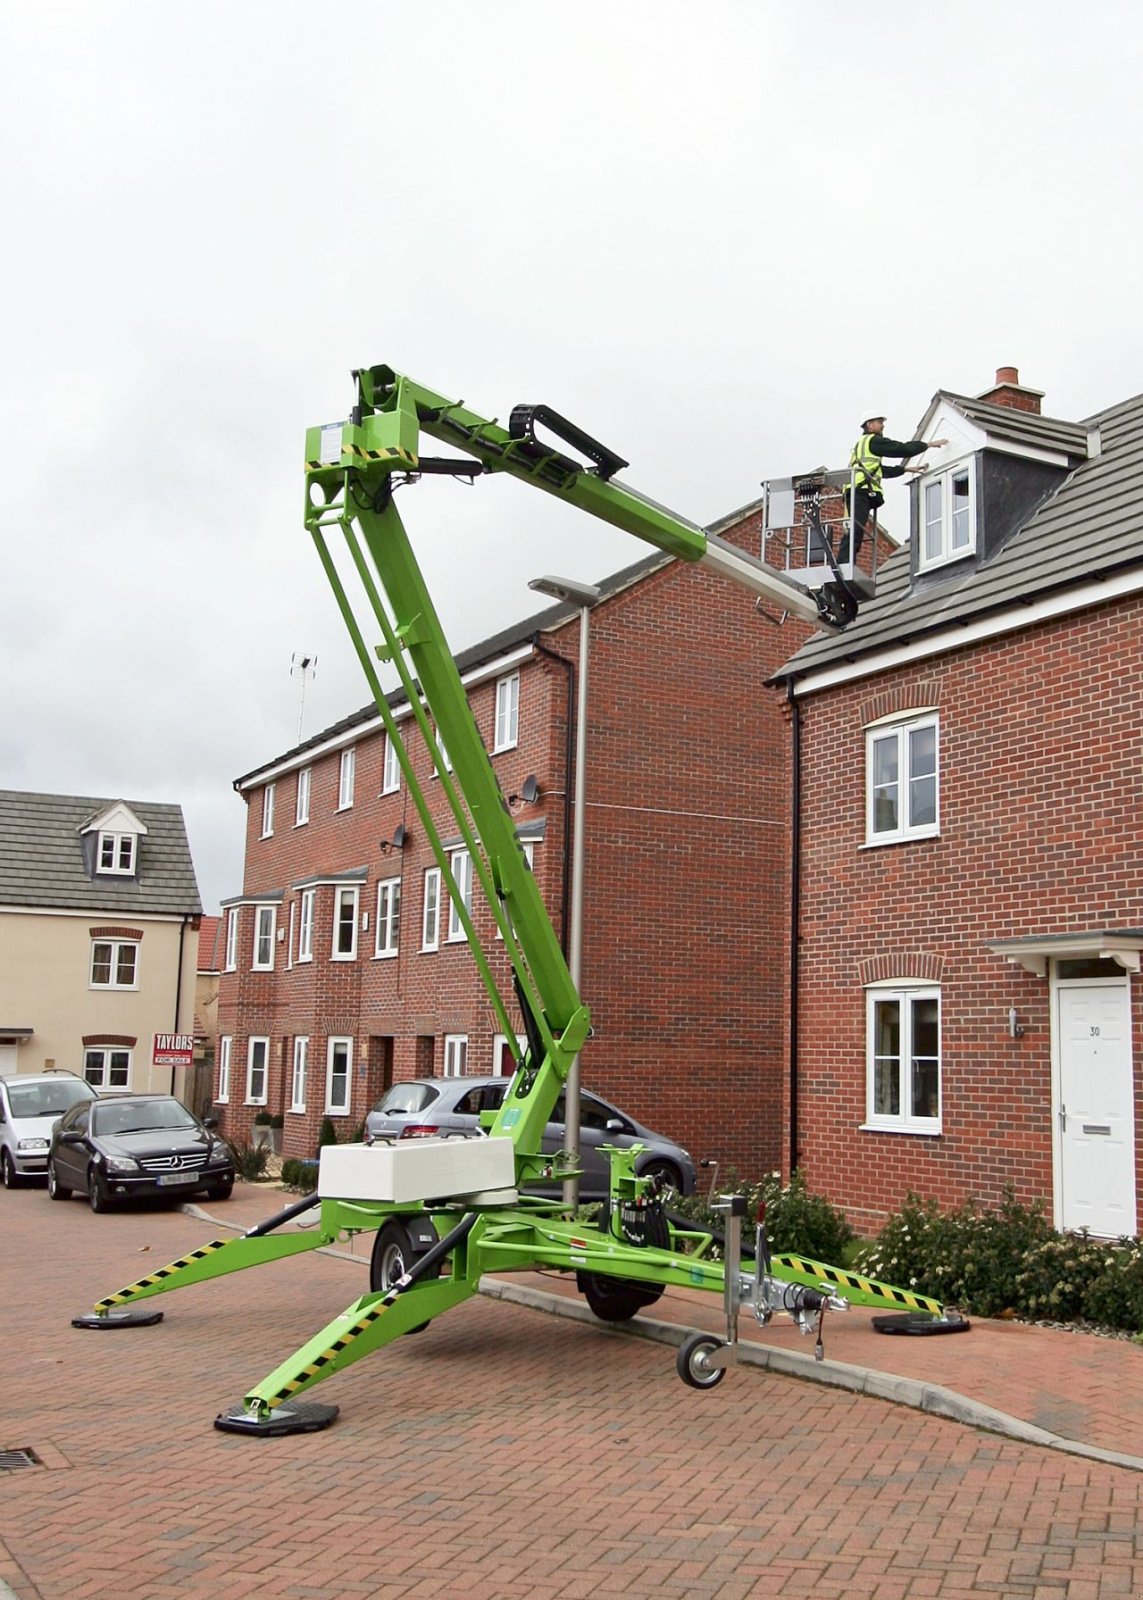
(157, 1277)
(882, 1293)
(314, 1368)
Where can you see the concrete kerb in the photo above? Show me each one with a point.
(934, 1399)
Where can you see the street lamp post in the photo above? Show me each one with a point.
(585, 596)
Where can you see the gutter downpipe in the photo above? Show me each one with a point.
(795, 906)
(179, 990)
(569, 767)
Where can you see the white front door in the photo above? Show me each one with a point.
(1095, 1106)
(9, 1064)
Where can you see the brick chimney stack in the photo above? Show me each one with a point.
(1009, 391)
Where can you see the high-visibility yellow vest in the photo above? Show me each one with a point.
(865, 465)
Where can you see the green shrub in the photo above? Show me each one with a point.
(797, 1220)
(250, 1161)
(299, 1175)
(327, 1134)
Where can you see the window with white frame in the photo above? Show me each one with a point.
(225, 1048)
(345, 778)
(455, 1055)
(904, 1058)
(257, 1061)
(232, 938)
(461, 863)
(265, 921)
(107, 1067)
(431, 910)
(338, 1061)
(306, 925)
(948, 515)
(116, 853)
(902, 780)
(345, 924)
(298, 1080)
(114, 964)
(391, 767)
(507, 712)
(504, 1058)
(529, 848)
(442, 759)
(302, 804)
(267, 811)
(388, 916)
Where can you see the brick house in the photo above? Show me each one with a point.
(344, 971)
(968, 836)
(99, 916)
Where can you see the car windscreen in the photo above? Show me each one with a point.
(407, 1097)
(46, 1099)
(139, 1116)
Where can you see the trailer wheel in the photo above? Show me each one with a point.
(393, 1255)
(693, 1361)
(615, 1299)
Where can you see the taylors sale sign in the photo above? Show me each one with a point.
(173, 1049)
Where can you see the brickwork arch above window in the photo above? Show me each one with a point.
(917, 967)
(127, 1040)
(116, 933)
(900, 700)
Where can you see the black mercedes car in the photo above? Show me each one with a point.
(139, 1145)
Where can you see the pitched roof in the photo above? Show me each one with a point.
(1090, 528)
(1010, 425)
(42, 858)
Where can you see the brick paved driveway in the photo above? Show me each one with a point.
(501, 1454)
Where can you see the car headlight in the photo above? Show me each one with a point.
(120, 1164)
(31, 1144)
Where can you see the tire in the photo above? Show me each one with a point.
(691, 1363)
(615, 1299)
(666, 1170)
(8, 1166)
(97, 1196)
(393, 1255)
(56, 1189)
(220, 1191)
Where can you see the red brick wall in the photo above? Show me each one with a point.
(1039, 834)
(686, 881)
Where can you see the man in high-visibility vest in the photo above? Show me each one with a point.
(868, 466)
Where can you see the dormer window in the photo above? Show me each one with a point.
(117, 853)
(948, 516)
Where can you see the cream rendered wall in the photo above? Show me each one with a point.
(45, 984)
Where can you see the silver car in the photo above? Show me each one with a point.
(30, 1107)
(443, 1106)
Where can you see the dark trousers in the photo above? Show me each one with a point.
(865, 506)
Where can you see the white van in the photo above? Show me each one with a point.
(30, 1107)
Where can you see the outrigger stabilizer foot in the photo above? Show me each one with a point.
(307, 1417)
(117, 1319)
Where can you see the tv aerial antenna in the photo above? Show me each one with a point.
(303, 665)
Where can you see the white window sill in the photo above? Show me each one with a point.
(384, 955)
(303, 961)
(336, 1111)
(296, 1111)
(255, 1102)
(222, 1100)
(268, 968)
(429, 949)
(302, 822)
(900, 838)
(340, 955)
(897, 1127)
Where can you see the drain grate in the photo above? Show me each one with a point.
(16, 1460)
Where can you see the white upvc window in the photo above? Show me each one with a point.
(345, 777)
(267, 811)
(225, 1050)
(902, 780)
(257, 1066)
(948, 515)
(107, 1067)
(442, 759)
(507, 712)
(306, 925)
(339, 1060)
(529, 848)
(232, 939)
(903, 1055)
(503, 1058)
(302, 804)
(391, 767)
(116, 853)
(388, 925)
(114, 964)
(455, 1055)
(461, 863)
(345, 924)
(298, 1080)
(265, 922)
(431, 909)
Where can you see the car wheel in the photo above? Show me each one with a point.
(97, 1196)
(667, 1171)
(693, 1361)
(220, 1191)
(11, 1177)
(393, 1255)
(616, 1299)
(56, 1189)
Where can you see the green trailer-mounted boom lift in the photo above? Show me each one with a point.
(449, 1211)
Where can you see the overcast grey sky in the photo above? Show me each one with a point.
(715, 236)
